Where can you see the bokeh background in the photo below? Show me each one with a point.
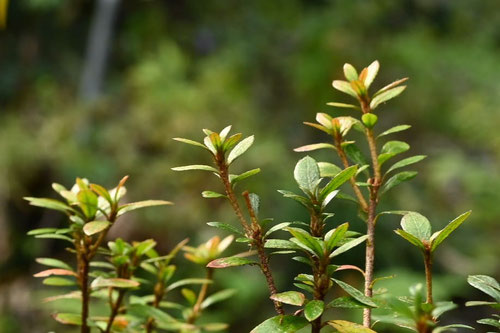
(98, 89)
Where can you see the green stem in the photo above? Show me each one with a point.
(201, 297)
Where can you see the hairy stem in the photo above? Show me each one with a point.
(263, 257)
(321, 286)
(355, 187)
(201, 297)
(428, 275)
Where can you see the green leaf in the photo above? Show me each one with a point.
(354, 154)
(88, 202)
(144, 247)
(328, 170)
(191, 142)
(254, 202)
(240, 148)
(347, 246)
(395, 129)
(405, 162)
(439, 236)
(451, 328)
(300, 199)
(49, 203)
(53, 263)
(416, 225)
(218, 297)
(358, 295)
(55, 236)
(334, 236)
(277, 227)
(486, 284)
(346, 302)
(226, 227)
(70, 295)
(141, 204)
(58, 281)
(410, 238)
(68, 318)
(350, 72)
(189, 295)
(397, 179)
(244, 175)
(281, 324)
(212, 195)
(186, 282)
(211, 327)
(338, 180)
(308, 241)
(344, 87)
(494, 305)
(371, 73)
(314, 309)
(369, 120)
(113, 282)
(231, 262)
(315, 146)
(195, 167)
(391, 149)
(443, 307)
(289, 297)
(385, 96)
(490, 322)
(94, 227)
(306, 174)
(343, 326)
(102, 192)
(41, 231)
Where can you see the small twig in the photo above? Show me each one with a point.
(201, 297)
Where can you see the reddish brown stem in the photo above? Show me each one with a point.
(114, 310)
(428, 275)
(83, 278)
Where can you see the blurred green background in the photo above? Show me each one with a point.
(175, 67)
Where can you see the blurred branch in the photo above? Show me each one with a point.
(3, 13)
(98, 46)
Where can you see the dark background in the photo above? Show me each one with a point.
(175, 67)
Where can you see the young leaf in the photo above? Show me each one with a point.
(231, 262)
(55, 236)
(279, 226)
(280, 244)
(350, 72)
(417, 225)
(439, 236)
(71, 295)
(189, 295)
(240, 148)
(405, 162)
(334, 236)
(49, 203)
(315, 146)
(354, 154)
(385, 96)
(212, 195)
(191, 142)
(186, 282)
(55, 271)
(195, 167)
(390, 86)
(304, 238)
(371, 73)
(289, 297)
(141, 204)
(102, 192)
(358, 295)
(53, 263)
(343, 326)
(314, 309)
(113, 282)
(347, 246)
(87, 202)
(58, 282)
(68, 318)
(342, 105)
(218, 297)
(397, 179)
(328, 170)
(391, 149)
(94, 227)
(344, 87)
(306, 174)
(281, 324)
(346, 302)
(394, 129)
(338, 180)
(41, 231)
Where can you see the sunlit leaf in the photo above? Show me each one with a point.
(394, 129)
(240, 148)
(486, 284)
(225, 226)
(53, 263)
(306, 174)
(405, 162)
(344, 87)
(315, 146)
(195, 167)
(141, 204)
(417, 225)
(244, 175)
(231, 262)
(281, 324)
(113, 282)
(50, 204)
(314, 309)
(68, 318)
(385, 96)
(343, 326)
(289, 297)
(439, 236)
(371, 73)
(94, 227)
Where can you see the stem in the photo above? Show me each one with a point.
(321, 286)
(355, 187)
(428, 275)
(114, 310)
(263, 257)
(83, 278)
(159, 292)
(201, 297)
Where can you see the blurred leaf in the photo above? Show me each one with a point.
(314, 309)
(490, 322)
(55, 236)
(189, 281)
(211, 327)
(141, 204)
(68, 318)
(371, 73)
(350, 72)
(196, 167)
(218, 297)
(191, 142)
(281, 324)
(315, 146)
(41, 231)
(289, 297)
(88, 202)
(439, 236)
(226, 227)
(53, 263)
(343, 326)
(58, 281)
(346, 302)
(342, 105)
(212, 195)
(240, 148)
(344, 87)
(71, 295)
(189, 295)
(231, 262)
(50, 204)
(443, 307)
(55, 271)
(451, 328)
(113, 282)
(390, 86)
